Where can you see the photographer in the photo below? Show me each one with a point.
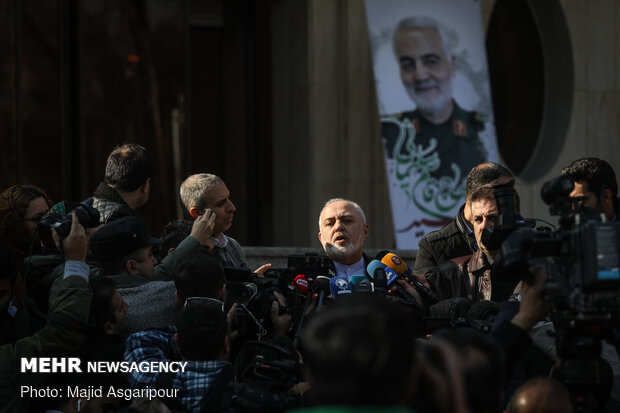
(62, 336)
(473, 276)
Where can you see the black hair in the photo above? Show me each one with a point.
(487, 173)
(173, 233)
(360, 351)
(128, 167)
(202, 329)
(200, 275)
(597, 173)
(102, 307)
(483, 367)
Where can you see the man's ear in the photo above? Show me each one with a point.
(320, 238)
(226, 345)
(131, 267)
(108, 328)
(194, 212)
(366, 231)
(146, 186)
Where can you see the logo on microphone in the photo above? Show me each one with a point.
(302, 282)
(396, 260)
(341, 283)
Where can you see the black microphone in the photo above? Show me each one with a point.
(321, 286)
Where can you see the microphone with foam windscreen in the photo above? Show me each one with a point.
(321, 287)
(388, 273)
(360, 284)
(399, 265)
(340, 287)
(384, 277)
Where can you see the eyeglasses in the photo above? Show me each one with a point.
(208, 299)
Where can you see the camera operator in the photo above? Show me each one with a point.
(127, 183)
(473, 276)
(595, 186)
(457, 238)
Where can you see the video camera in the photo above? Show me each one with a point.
(255, 294)
(581, 257)
(582, 262)
(266, 373)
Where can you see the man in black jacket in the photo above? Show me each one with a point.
(127, 183)
(457, 238)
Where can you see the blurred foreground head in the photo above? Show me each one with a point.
(359, 351)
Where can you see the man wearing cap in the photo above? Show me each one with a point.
(123, 250)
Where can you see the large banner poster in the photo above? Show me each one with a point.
(435, 107)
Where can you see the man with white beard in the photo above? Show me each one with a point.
(343, 231)
(441, 126)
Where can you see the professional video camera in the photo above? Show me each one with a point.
(255, 294)
(459, 313)
(87, 216)
(266, 372)
(582, 265)
(581, 258)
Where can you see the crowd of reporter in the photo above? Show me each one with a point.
(345, 333)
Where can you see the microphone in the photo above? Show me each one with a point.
(301, 283)
(360, 284)
(321, 286)
(389, 274)
(384, 277)
(399, 265)
(340, 287)
(396, 263)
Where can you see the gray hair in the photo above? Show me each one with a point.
(194, 190)
(357, 207)
(426, 22)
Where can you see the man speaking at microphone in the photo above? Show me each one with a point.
(342, 232)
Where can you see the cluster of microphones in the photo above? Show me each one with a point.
(384, 270)
(381, 277)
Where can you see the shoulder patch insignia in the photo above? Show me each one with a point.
(480, 117)
(416, 124)
(459, 128)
